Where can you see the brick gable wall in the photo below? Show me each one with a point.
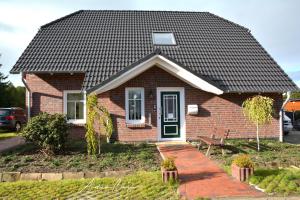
(47, 94)
(224, 110)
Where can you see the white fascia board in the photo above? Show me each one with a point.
(187, 76)
(166, 65)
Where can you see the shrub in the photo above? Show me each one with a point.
(47, 131)
(168, 164)
(243, 161)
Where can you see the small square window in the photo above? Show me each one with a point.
(163, 38)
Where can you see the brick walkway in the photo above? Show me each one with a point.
(11, 143)
(201, 177)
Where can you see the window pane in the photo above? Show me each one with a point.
(79, 110)
(70, 110)
(164, 38)
(134, 94)
(135, 107)
(138, 113)
(75, 96)
(131, 109)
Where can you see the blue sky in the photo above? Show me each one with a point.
(274, 23)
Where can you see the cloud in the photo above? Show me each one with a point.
(6, 27)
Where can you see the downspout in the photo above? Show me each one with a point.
(281, 114)
(28, 95)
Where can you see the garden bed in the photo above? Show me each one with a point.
(113, 157)
(273, 154)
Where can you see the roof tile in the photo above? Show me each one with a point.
(102, 43)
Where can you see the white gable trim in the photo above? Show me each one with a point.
(168, 66)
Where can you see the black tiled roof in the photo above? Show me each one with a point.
(102, 43)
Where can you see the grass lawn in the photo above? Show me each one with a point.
(4, 135)
(279, 181)
(141, 185)
(273, 153)
(28, 158)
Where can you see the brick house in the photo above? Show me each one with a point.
(163, 75)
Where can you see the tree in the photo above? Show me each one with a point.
(259, 110)
(97, 112)
(294, 95)
(11, 96)
(3, 85)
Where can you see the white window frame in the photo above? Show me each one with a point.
(78, 121)
(164, 32)
(142, 120)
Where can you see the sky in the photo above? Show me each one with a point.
(274, 23)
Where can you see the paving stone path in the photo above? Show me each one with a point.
(201, 177)
(11, 143)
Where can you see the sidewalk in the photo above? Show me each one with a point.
(11, 143)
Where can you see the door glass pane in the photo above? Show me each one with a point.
(170, 108)
(165, 108)
(79, 110)
(71, 110)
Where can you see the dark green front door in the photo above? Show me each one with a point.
(170, 115)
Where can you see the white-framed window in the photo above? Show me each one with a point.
(135, 105)
(163, 38)
(75, 106)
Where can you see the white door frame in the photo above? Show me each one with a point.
(182, 112)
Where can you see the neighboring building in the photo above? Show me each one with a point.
(152, 70)
(292, 105)
(292, 110)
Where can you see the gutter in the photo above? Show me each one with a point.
(281, 114)
(28, 95)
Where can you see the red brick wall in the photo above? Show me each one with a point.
(224, 110)
(47, 93)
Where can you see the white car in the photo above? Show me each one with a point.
(287, 125)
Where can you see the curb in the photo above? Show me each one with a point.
(19, 176)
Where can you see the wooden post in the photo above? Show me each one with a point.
(208, 150)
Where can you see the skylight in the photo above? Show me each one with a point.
(163, 38)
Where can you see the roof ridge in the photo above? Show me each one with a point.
(62, 18)
(228, 21)
(128, 10)
(118, 10)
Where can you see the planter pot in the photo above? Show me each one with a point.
(168, 175)
(242, 174)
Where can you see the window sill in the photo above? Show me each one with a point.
(140, 125)
(78, 123)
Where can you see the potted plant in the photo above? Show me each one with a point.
(242, 167)
(168, 170)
